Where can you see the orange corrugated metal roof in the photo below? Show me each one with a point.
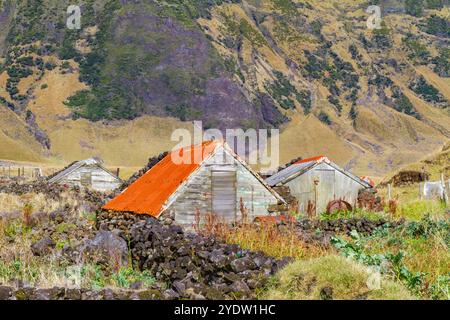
(368, 180)
(151, 191)
(310, 159)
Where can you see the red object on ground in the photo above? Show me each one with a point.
(275, 219)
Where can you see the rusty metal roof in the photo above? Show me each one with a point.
(151, 193)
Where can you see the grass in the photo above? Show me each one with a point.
(18, 263)
(267, 238)
(357, 213)
(416, 209)
(427, 253)
(415, 254)
(304, 280)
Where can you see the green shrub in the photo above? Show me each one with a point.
(426, 90)
(418, 50)
(437, 26)
(414, 7)
(323, 117)
(442, 62)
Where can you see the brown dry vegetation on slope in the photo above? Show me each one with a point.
(258, 39)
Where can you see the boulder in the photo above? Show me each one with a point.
(107, 247)
(43, 247)
(5, 292)
(242, 264)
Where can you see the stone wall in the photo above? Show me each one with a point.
(198, 267)
(56, 293)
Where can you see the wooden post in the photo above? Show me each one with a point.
(420, 190)
(444, 190)
(118, 172)
(18, 172)
(316, 196)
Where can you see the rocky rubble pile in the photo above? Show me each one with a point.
(198, 267)
(320, 232)
(56, 293)
(122, 221)
(362, 225)
(53, 191)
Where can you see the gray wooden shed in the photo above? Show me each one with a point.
(88, 173)
(217, 184)
(318, 180)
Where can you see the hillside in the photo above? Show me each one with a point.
(373, 100)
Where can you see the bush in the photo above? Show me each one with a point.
(281, 91)
(345, 279)
(426, 90)
(353, 113)
(416, 49)
(437, 26)
(184, 112)
(323, 117)
(414, 7)
(442, 62)
(335, 101)
(403, 104)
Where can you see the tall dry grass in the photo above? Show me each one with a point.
(267, 237)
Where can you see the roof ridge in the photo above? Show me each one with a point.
(316, 158)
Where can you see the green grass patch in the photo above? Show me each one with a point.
(306, 280)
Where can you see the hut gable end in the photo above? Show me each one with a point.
(198, 193)
(318, 180)
(215, 185)
(87, 174)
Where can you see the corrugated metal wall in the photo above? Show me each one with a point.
(333, 184)
(100, 179)
(224, 193)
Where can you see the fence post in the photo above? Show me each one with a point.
(420, 190)
(444, 189)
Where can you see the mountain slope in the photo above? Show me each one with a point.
(374, 100)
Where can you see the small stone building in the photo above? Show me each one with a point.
(318, 181)
(219, 182)
(88, 173)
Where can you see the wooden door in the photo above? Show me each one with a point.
(86, 179)
(325, 189)
(223, 184)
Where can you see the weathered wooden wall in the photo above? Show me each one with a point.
(333, 184)
(100, 179)
(196, 193)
